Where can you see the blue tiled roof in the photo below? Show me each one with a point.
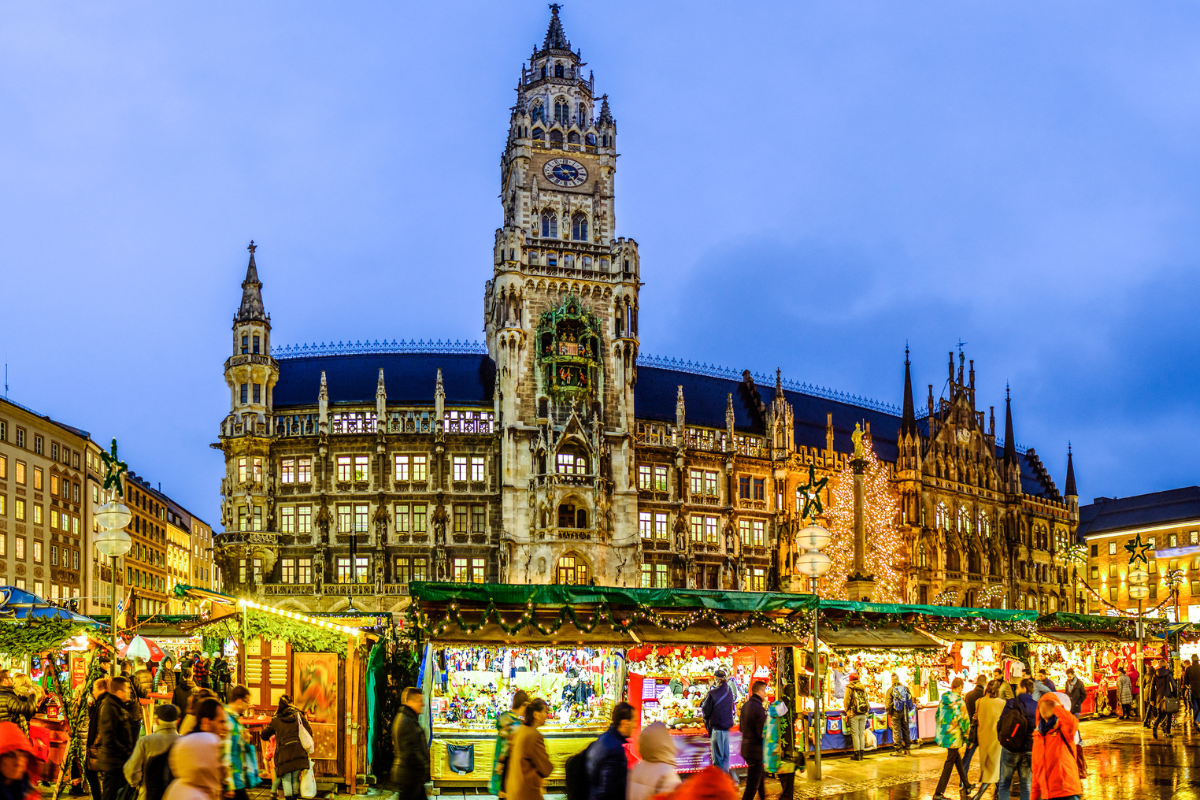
(1156, 508)
(408, 378)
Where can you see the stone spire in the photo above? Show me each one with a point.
(1010, 441)
(323, 406)
(439, 398)
(380, 402)
(555, 38)
(680, 412)
(729, 420)
(252, 304)
(605, 118)
(1070, 490)
(908, 420)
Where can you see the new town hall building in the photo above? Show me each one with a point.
(557, 453)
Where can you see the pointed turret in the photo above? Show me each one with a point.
(381, 403)
(605, 118)
(908, 419)
(555, 38)
(251, 308)
(729, 419)
(1010, 442)
(323, 405)
(1069, 489)
(439, 398)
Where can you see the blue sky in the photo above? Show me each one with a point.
(811, 185)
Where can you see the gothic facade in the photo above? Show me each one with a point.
(556, 453)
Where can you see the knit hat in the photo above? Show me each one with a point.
(167, 712)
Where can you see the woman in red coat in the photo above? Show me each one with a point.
(1055, 770)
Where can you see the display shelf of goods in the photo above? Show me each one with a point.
(568, 342)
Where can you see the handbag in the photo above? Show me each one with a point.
(308, 783)
(1170, 705)
(306, 738)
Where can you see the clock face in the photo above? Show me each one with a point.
(564, 172)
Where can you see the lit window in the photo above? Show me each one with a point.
(3, 468)
(344, 574)
(400, 570)
(460, 468)
(361, 514)
(760, 533)
(344, 465)
(478, 570)
(53, 481)
(710, 484)
(660, 526)
(37, 478)
(1112, 548)
(660, 479)
(419, 519)
(401, 468)
(304, 570)
(756, 579)
(345, 518)
(402, 518)
(360, 468)
(647, 575)
(287, 470)
(460, 519)
(37, 514)
(304, 470)
(571, 464)
(476, 468)
(744, 531)
(661, 579)
(303, 519)
(697, 525)
(697, 481)
(460, 574)
(643, 476)
(645, 524)
(287, 519)
(710, 530)
(361, 569)
(287, 570)
(418, 467)
(420, 569)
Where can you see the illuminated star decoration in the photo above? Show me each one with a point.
(1137, 550)
(114, 468)
(812, 495)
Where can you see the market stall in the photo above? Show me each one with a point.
(319, 662)
(614, 643)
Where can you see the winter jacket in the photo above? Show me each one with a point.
(529, 765)
(608, 766)
(717, 708)
(117, 728)
(143, 682)
(13, 739)
(180, 695)
(1026, 703)
(655, 774)
(899, 695)
(506, 725)
(856, 695)
(1077, 692)
(147, 748)
(952, 722)
(237, 757)
(1163, 687)
(1191, 677)
(1040, 688)
(290, 755)
(752, 722)
(165, 680)
(1055, 771)
(971, 698)
(195, 762)
(1134, 682)
(16, 708)
(1124, 690)
(411, 761)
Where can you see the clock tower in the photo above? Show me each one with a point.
(561, 317)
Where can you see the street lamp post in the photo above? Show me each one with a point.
(1139, 589)
(112, 540)
(813, 563)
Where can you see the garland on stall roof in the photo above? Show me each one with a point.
(303, 637)
(907, 621)
(602, 614)
(36, 636)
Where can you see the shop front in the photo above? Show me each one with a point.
(583, 649)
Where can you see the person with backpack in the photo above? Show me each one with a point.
(529, 764)
(752, 723)
(1055, 753)
(717, 712)
(607, 763)
(165, 734)
(952, 728)
(899, 703)
(1164, 694)
(1015, 732)
(291, 756)
(655, 774)
(856, 707)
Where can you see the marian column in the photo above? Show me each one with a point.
(859, 586)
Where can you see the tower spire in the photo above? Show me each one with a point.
(1070, 490)
(252, 304)
(1010, 442)
(908, 421)
(555, 38)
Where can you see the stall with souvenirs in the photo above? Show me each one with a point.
(584, 649)
(926, 647)
(1096, 648)
(668, 684)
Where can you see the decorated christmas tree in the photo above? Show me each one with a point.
(886, 555)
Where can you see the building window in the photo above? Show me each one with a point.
(303, 519)
(756, 579)
(660, 478)
(287, 570)
(361, 514)
(3, 468)
(710, 484)
(1095, 551)
(361, 568)
(644, 476)
(245, 393)
(744, 487)
(401, 468)
(579, 228)
(478, 570)
(3, 506)
(459, 465)
(549, 224)
(711, 526)
(245, 344)
(660, 527)
(420, 569)
(400, 571)
(258, 393)
(697, 526)
(37, 478)
(572, 464)
(20, 437)
(744, 531)
(345, 518)
(361, 468)
(418, 518)
(53, 482)
(54, 555)
(571, 571)
(287, 519)
(304, 470)
(697, 482)
(645, 524)
(477, 519)
(661, 576)
(759, 489)
(344, 573)
(256, 344)
(1112, 548)
(460, 519)
(38, 444)
(460, 574)
(647, 575)
(303, 570)
(344, 466)
(477, 468)
(37, 513)
(419, 468)
(287, 470)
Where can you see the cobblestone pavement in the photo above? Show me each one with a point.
(1124, 763)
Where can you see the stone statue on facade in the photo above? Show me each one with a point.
(857, 438)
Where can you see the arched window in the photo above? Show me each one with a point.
(566, 515)
(952, 562)
(587, 262)
(549, 225)
(538, 134)
(922, 556)
(573, 138)
(579, 228)
(583, 115)
(558, 70)
(604, 265)
(543, 70)
(538, 114)
(590, 139)
(571, 570)
(570, 462)
(556, 137)
(941, 517)
(533, 258)
(569, 261)
(562, 111)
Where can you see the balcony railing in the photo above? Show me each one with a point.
(570, 147)
(246, 537)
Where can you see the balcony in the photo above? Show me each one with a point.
(334, 589)
(269, 538)
(568, 147)
(251, 358)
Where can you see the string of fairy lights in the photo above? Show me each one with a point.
(885, 544)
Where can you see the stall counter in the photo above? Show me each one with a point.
(465, 757)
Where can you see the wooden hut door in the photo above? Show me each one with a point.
(268, 670)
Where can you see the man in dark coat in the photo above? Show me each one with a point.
(1191, 679)
(99, 687)
(607, 763)
(410, 766)
(971, 698)
(717, 710)
(115, 737)
(1076, 691)
(1163, 688)
(753, 722)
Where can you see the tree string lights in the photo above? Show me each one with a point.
(885, 554)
